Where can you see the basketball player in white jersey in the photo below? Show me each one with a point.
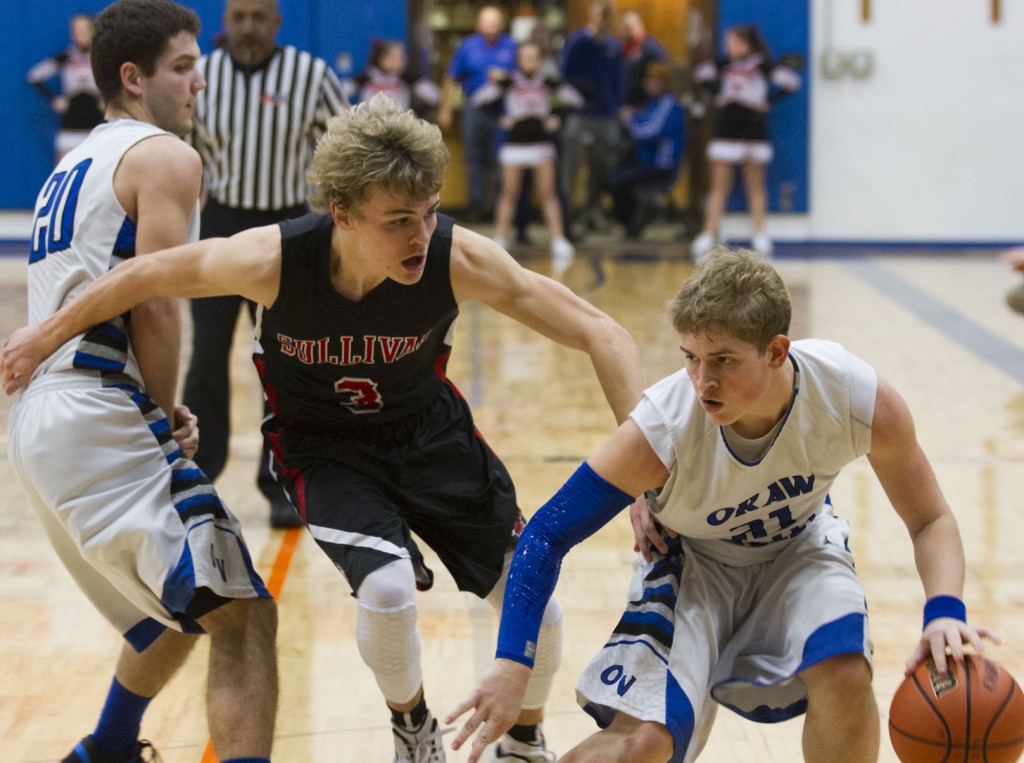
(135, 522)
(750, 598)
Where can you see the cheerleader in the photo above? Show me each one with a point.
(745, 85)
(531, 106)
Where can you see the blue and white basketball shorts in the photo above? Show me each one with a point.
(696, 629)
(138, 525)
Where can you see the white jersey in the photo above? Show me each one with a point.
(744, 512)
(80, 232)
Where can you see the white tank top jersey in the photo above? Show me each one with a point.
(744, 512)
(80, 232)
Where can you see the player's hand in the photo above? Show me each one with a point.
(60, 103)
(944, 633)
(186, 430)
(647, 533)
(22, 352)
(496, 702)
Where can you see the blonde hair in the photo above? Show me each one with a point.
(735, 290)
(376, 145)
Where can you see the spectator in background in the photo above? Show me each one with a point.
(386, 72)
(592, 63)
(531, 107)
(639, 49)
(477, 55)
(656, 129)
(78, 101)
(256, 124)
(745, 84)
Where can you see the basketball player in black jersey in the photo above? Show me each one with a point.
(371, 440)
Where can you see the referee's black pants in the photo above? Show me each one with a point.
(207, 384)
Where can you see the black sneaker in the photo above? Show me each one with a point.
(86, 752)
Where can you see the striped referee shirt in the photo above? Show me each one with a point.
(256, 129)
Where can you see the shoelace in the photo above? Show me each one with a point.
(428, 747)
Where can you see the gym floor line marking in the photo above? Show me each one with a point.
(972, 336)
(275, 582)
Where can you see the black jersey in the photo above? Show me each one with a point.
(744, 90)
(331, 365)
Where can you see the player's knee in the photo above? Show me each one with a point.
(636, 742)
(392, 586)
(842, 676)
(253, 620)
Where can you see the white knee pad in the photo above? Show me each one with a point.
(549, 644)
(386, 630)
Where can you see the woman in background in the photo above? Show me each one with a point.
(386, 73)
(532, 103)
(745, 84)
(78, 101)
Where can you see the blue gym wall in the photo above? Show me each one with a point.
(785, 26)
(32, 30)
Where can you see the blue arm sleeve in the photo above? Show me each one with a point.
(580, 508)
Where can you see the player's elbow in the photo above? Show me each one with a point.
(606, 335)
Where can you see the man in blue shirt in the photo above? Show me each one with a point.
(471, 66)
(656, 129)
(592, 63)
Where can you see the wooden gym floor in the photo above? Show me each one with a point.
(933, 322)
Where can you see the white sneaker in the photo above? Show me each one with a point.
(701, 245)
(423, 746)
(510, 749)
(562, 255)
(763, 245)
(501, 241)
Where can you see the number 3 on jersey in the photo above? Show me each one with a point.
(363, 395)
(55, 222)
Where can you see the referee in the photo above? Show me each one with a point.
(256, 125)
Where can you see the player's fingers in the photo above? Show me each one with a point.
(956, 645)
(467, 729)
(938, 649)
(479, 745)
(657, 540)
(460, 709)
(991, 635)
(916, 657)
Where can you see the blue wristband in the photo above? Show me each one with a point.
(944, 606)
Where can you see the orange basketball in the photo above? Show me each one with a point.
(974, 712)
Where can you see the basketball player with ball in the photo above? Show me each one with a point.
(745, 594)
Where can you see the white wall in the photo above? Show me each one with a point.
(930, 147)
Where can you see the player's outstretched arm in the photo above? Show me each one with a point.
(623, 467)
(483, 271)
(910, 484)
(248, 264)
